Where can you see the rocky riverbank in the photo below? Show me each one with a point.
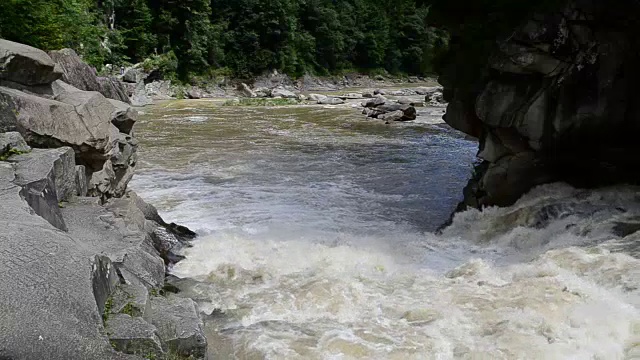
(82, 259)
(143, 87)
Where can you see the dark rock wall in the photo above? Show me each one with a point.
(553, 99)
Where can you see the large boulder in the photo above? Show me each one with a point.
(374, 102)
(281, 92)
(84, 77)
(112, 88)
(178, 324)
(39, 164)
(80, 120)
(26, 65)
(123, 116)
(75, 71)
(409, 112)
(392, 116)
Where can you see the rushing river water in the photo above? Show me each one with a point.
(316, 242)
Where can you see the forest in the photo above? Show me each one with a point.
(239, 38)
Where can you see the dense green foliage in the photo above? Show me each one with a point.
(239, 37)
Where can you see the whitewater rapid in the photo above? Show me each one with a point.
(317, 243)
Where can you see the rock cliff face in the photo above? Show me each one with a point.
(555, 101)
(82, 260)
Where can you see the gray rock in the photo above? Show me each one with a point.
(76, 72)
(50, 123)
(436, 99)
(133, 335)
(47, 177)
(124, 116)
(104, 281)
(408, 111)
(49, 303)
(195, 93)
(392, 116)
(81, 181)
(330, 101)
(178, 324)
(112, 88)
(403, 92)
(84, 77)
(130, 298)
(39, 163)
(246, 91)
(8, 114)
(379, 92)
(283, 93)
(423, 90)
(262, 92)
(113, 178)
(376, 101)
(139, 96)
(26, 65)
(134, 74)
(350, 96)
(12, 141)
(160, 90)
(317, 97)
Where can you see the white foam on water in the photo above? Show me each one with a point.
(289, 299)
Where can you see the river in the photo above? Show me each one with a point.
(317, 241)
